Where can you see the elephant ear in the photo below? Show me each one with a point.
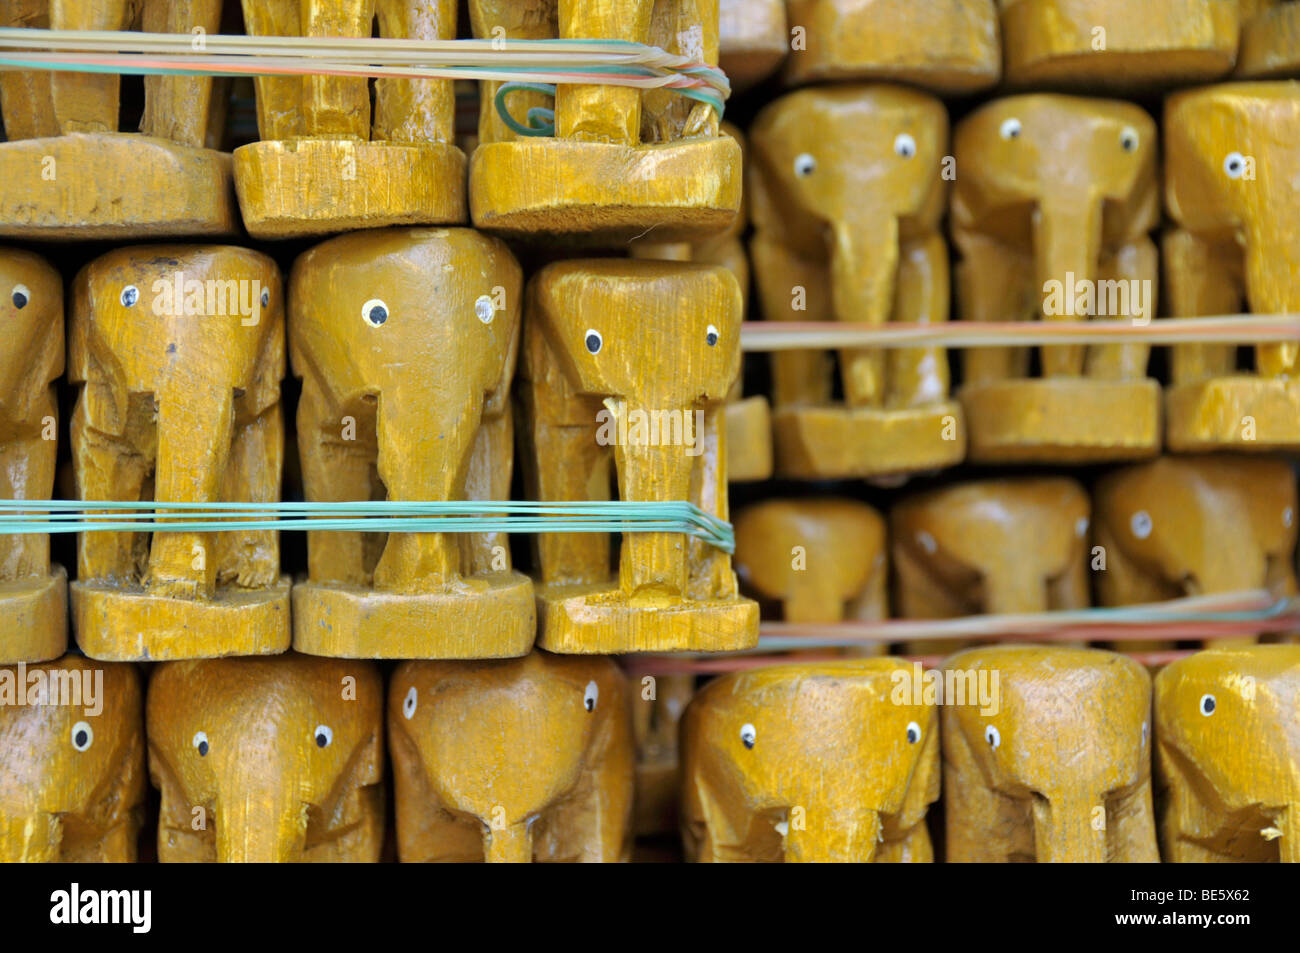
(923, 787)
(105, 393)
(263, 391)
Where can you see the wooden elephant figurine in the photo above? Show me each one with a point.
(268, 760)
(1227, 755)
(1058, 768)
(994, 547)
(847, 191)
(1229, 166)
(621, 161)
(33, 594)
(753, 38)
(1270, 39)
(326, 161)
(1054, 198)
(180, 351)
(1190, 526)
(405, 340)
(69, 173)
(72, 779)
(949, 46)
(512, 761)
(830, 761)
(633, 357)
(1116, 45)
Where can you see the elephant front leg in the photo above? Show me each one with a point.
(920, 376)
(86, 102)
(107, 467)
(601, 113)
(178, 107)
(992, 286)
(710, 572)
(27, 472)
(1134, 267)
(252, 557)
(1201, 278)
(490, 469)
(1131, 828)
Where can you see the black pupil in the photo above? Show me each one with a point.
(1234, 165)
(20, 300)
(590, 704)
(1209, 704)
(203, 748)
(749, 742)
(378, 314)
(321, 740)
(711, 338)
(911, 735)
(593, 343)
(80, 739)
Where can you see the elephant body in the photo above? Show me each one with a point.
(72, 780)
(812, 762)
(1061, 771)
(512, 761)
(1228, 755)
(268, 760)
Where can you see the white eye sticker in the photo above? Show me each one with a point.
(904, 145)
(711, 335)
(1144, 732)
(591, 696)
(1234, 165)
(20, 296)
(748, 735)
(1128, 139)
(927, 542)
(266, 297)
(804, 165)
(83, 736)
(1141, 524)
(130, 295)
(992, 736)
(1288, 517)
(485, 309)
(913, 732)
(409, 703)
(593, 340)
(1010, 128)
(1207, 705)
(374, 312)
(1081, 527)
(200, 742)
(323, 735)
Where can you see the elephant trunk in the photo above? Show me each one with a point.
(512, 845)
(830, 836)
(261, 827)
(1067, 245)
(1272, 262)
(1066, 829)
(30, 838)
(864, 276)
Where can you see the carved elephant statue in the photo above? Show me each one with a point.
(512, 761)
(830, 761)
(268, 760)
(180, 351)
(1227, 755)
(72, 779)
(1058, 768)
(31, 359)
(847, 186)
(405, 340)
(70, 174)
(1237, 244)
(1052, 205)
(326, 161)
(601, 376)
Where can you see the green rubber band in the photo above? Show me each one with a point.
(532, 129)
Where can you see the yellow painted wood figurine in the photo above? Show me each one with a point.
(179, 351)
(657, 708)
(847, 189)
(817, 762)
(1047, 756)
(69, 173)
(405, 340)
(33, 593)
(621, 160)
(1054, 198)
(326, 161)
(1230, 172)
(72, 780)
(268, 760)
(949, 46)
(512, 761)
(752, 40)
(1228, 757)
(1270, 39)
(631, 360)
(1117, 44)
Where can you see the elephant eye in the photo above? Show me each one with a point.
(1288, 517)
(1234, 164)
(1144, 732)
(992, 736)
(323, 735)
(927, 542)
(266, 297)
(21, 296)
(593, 341)
(1208, 704)
(591, 696)
(913, 732)
(130, 295)
(200, 743)
(374, 312)
(83, 736)
(1128, 139)
(1141, 524)
(748, 735)
(485, 309)
(409, 702)
(1010, 128)
(1081, 527)
(804, 165)
(905, 145)
(711, 335)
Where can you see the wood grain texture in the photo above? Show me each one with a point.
(1270, 40)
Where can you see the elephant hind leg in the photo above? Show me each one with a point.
(108, 467)
(252, 558)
